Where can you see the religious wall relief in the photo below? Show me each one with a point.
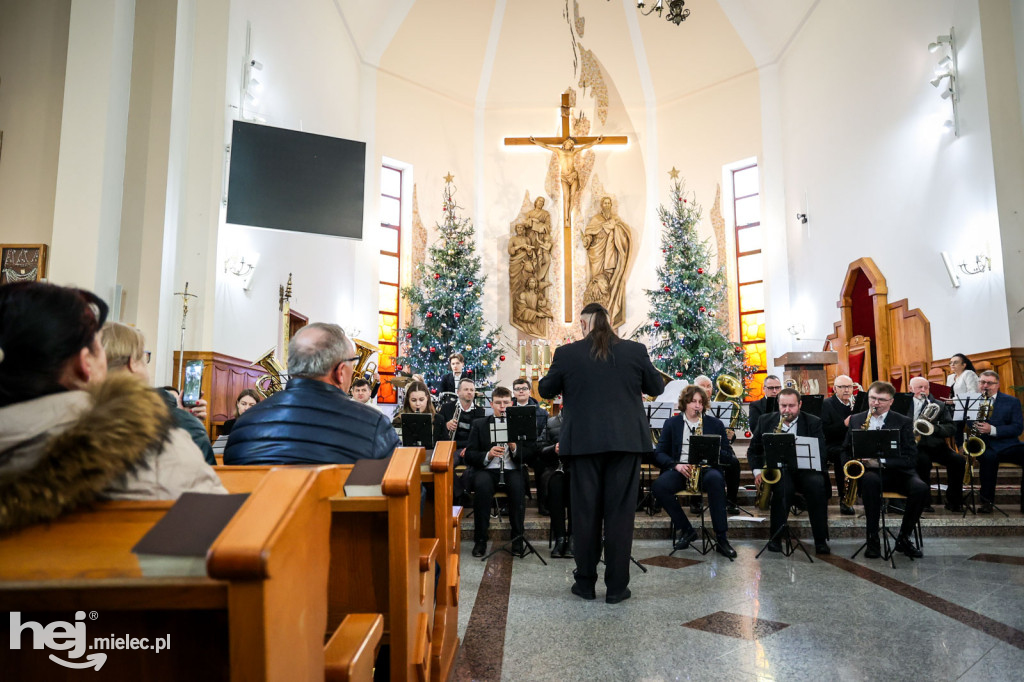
(608, 242)
(529, 264)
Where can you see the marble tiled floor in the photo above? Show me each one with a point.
(944, 617)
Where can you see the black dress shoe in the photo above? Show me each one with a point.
(774, 546)
(696, 505)
(559, 551)
(874, 548)
(616, 598)
(822, 548)
(985, 508)
(846, 510)
(725, 549)
(905, 546)
(518, 548)
(570, 548)
(688, 537)
(543, 511)
(732, 509)
(955, 508)
(930, 509)
(585, 592)
(479, 548)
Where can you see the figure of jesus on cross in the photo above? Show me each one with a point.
(566, 147)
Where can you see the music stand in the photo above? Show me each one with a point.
(966, 409)
(903, 403)
(811, 404)
(657, 413)
(780, 454)
(879, 445)
(418, 430)
(520, 427)
(704, 451)
(722, 411)
(771, 404)
(860, 402)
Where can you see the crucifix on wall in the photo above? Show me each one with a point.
(566, 147)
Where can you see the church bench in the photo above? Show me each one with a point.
(376, 558)
(258, 614)
(352, 650)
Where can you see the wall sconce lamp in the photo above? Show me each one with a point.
(946, 75)
(982, 263)
(242, 267)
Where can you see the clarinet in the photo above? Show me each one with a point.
(457, 414)
(501, 471)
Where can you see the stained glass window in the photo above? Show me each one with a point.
(389, 265)
(750, 273)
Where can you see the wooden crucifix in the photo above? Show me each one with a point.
(566, 147)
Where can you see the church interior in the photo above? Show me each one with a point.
(858, 171)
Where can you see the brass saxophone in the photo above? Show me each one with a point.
(764, 488)
(693, 483)
(851, 479)
(974, 446)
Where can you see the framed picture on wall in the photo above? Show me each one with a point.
(22, 263)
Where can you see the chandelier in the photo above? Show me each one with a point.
(676, 13)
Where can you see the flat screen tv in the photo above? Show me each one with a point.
(288, 180)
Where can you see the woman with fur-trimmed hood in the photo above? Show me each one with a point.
(68, 434)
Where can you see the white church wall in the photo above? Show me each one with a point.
(864, 146)
(311, 82)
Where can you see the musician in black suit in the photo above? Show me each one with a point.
(521, 398)
(604, 433)
(835, 422)
(934, 448)
(458, 430)
(771, 387)
(450, 381)
(731, 471)
(899, 474)
(1001, 434)
(807, 481)
(487, 461)
(671, 455)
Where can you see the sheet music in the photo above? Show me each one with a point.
(658, 412)
(499, 431)
(722, 411)
(966, 404)
(808, 455)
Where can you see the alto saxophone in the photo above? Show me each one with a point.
(851, 479)
(764, 488)
(693, 483)
(974, 446)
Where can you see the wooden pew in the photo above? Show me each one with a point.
(379, 562)
(259, 614)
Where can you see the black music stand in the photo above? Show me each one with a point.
(657, 414)
(902, 403)
(811, 403)
(771, 404)
(418, 430)
(860, 402)
(878, 445)
(967, 407)
(780, 454)
(519, 427)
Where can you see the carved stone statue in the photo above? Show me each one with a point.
(529, 261)
(531, 308)
(608, 242)
(566, 153)
(539, 223)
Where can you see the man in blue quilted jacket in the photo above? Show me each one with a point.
(313, 421)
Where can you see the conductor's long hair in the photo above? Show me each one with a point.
(601, 333)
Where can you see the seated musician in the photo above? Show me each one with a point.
(1000, 433)
(835, 421)
(771, 387)
(417, 401)
(125, 348)
(521, 398)
(732, 472)
(70, 435)
(362, 392)
(807, 481)
(246, 399)
(554, 481)
(468, 412)
(934, 448)
(671, 455)
(492, 463)
(313, 421)
(899, 474)
(450, 381)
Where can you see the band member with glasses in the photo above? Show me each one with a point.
(521, 398)
(807, 481)
(671, 455)
(313, 421)
(771, 387)
(1001, 433)
(835, 421)
(964, 378)
(898, 476)
(934, 448)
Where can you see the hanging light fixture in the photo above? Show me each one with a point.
(946, 75)
(677, 12)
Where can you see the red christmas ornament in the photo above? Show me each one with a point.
(469, 284)
(663, 250)
(437, 275)
(430, 314)
(661, 357)
(488, 344)
(747, 434)
(657, 324)
(700, 271)
(684, 201)
(457, 316)
(398, 368)
(502, 358)
(738, 350)
(670, 246)
(433, 390)
(679, 375)
(668, 289)
(702, 308)
(408, 335)
(433, 349)
(461, 242)
(469, 371)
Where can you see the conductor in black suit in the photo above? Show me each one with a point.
(807, 481)
(604, 433)
(899, 474)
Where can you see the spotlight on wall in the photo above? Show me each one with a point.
(954, 279)
(946, 75)
(250, 86)
(802, 217)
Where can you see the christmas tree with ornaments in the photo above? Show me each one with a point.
(686, 328)
(447, 312)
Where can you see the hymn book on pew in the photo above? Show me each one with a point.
(177, 544)
(367, 478)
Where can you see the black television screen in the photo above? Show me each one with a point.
(288, 180)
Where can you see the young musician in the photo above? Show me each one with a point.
(807, 481)
(933, 448)
(555, 482)
(493, 463)
(1000, 432)
(671, 455)
(417, 401)
(450, 381)
(732, 472)
(521, 397)
(362, 392)
(835, 421)
(899, 474)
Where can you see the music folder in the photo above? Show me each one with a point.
(522, 423)
(811, 404)
(418, 430)
(779, 451)
(771, 404)
(881, 444)
(860, 402)
(903, 403)
(704, 450)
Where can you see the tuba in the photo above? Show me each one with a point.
(764, 489)
(729, 390)
(271, 382)
(363, 368)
